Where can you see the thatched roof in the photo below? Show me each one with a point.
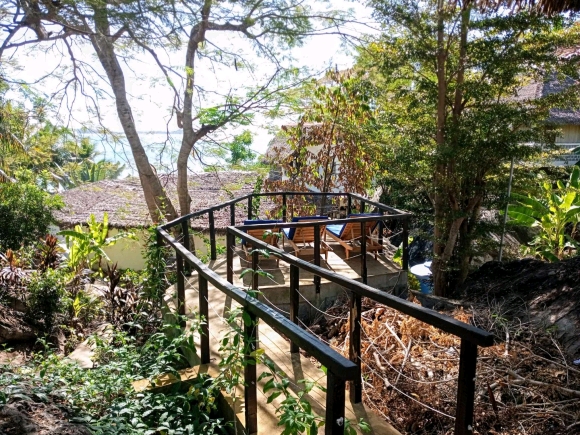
(543, 6)
(551, 86)
(124, 201)
(279, 148)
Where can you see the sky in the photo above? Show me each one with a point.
(151, 97)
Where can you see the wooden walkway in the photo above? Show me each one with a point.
(276, 347)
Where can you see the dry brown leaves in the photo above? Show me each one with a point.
(410, 374)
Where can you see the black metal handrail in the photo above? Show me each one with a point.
(338, 373)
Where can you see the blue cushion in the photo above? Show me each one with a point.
(291, 231)
(258, 221)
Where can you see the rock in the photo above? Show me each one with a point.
(14, 422)
(84, 352)
(13, 326)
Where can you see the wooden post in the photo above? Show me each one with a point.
(212, 235)
(354, 346)
(250, 378)
(284, 214)
(294, 300)
(186, 244)
(233, 215)
(180, 287)
(204, 314)
(255, 276)
(250, 207)
(466, 388)
(349, 205)
(363, 252)
(405, 244)
(335, 393)
(317, 255)
(230, 245)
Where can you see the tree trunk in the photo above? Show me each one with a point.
(439, 173)
(445, 187)
(190, 136)
(158, 203)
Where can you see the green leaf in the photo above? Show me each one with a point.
(273, 396)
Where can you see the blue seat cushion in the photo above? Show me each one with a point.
(260, 221)
(336, 229)
(291, 231)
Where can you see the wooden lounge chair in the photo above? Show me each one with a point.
(261, 234)
(349, 234)
(302, 239)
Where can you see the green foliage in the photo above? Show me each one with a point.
(240, 149)
(26, 213)
(154, 282)
(85, 249)
(445, 82)
(45, 298)
(103, 398)
(555, 213)
(296, 414)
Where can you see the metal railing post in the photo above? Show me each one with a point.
(255, 276)
(381, 230)
(180, 287)
(317, 255)
(250, 378)
(466, 388)
(405, 244)
(363, 252)
(230, 246)
(186, 244)
(212, 244)
(294, 300)
(284, 209)
(349, 205)
(233, 214)
(335, 395)
(362, 206)
(354, 346)
(204, 314)
(250, 198)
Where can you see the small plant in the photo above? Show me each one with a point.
(44, 302)
(48, 253)
(556, 214)
(86, 249)
(12, 272)
(121, 302)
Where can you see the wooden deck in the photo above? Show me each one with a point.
(382, 273)
(277, 348)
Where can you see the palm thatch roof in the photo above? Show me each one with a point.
(124, 201)
(543, 6)
(551, 85)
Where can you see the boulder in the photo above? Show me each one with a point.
(13, 326)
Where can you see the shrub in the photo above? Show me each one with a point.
(45, 299)
(25, 213)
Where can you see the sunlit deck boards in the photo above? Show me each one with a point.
(295, 366)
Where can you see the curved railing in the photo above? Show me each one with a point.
(339, 369)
